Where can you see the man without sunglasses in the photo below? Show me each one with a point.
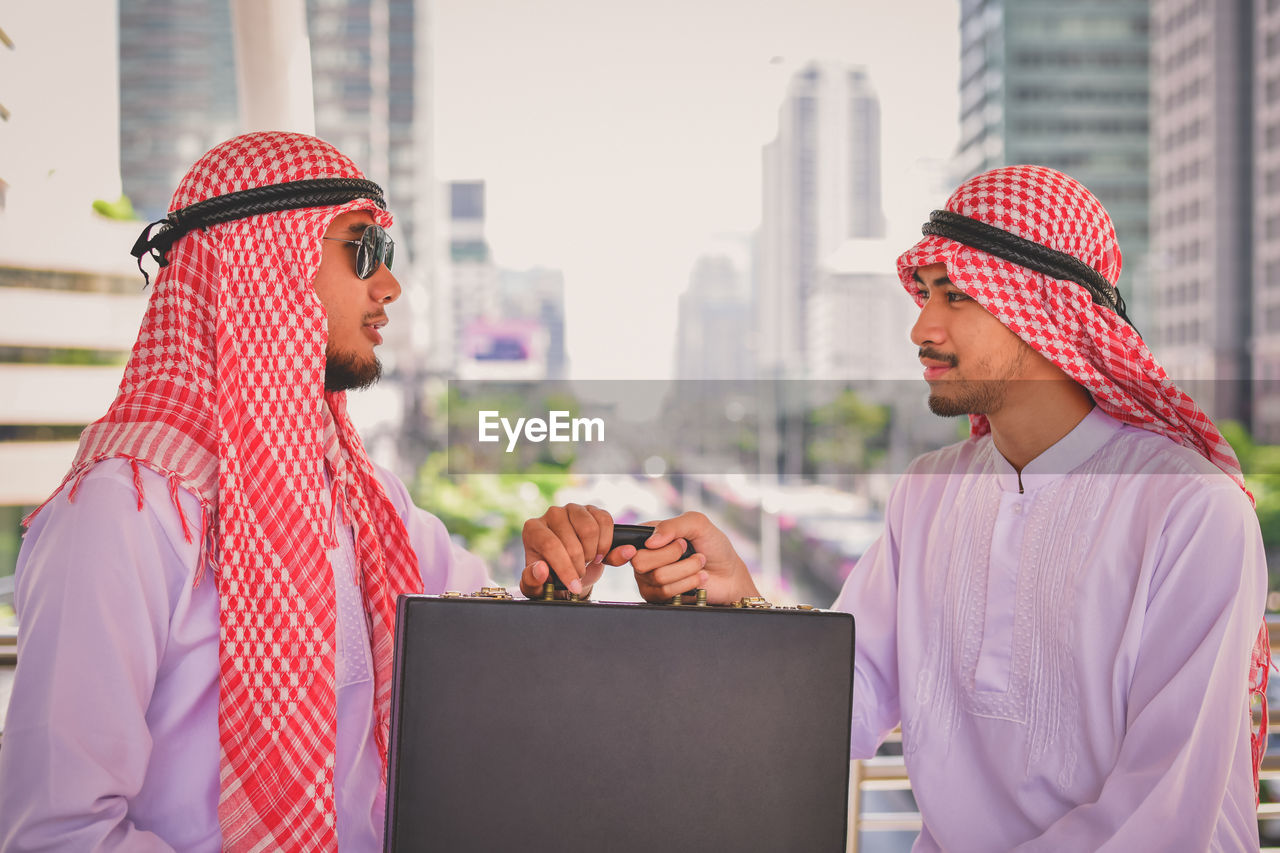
(1064, 612)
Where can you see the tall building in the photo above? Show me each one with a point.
(503, 323)
(1265, 184)
(472, 277)
(1064, 84)
(177, 93)
(370, 79)
(1202, 207)
(715, 330)
(860, 319)
(538, 294)
(821, 188)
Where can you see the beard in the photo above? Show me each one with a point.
(344, 371)
(969, 398)
(952, 398)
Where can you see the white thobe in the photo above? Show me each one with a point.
(1067, 650)
(111, 738)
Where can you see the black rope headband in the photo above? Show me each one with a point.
(1025, 253)
(291, 195)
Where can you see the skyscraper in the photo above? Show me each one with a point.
(370, 79)
(860, 322)
(177, 93)
(714, 331)
(1264, 182)
(821, 187)
(472, 278)
(503, 323)
(1202, 208)
(1064, 85)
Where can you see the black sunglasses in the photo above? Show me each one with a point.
(374, 247)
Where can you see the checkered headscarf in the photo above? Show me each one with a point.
(1077, 328)
(224, 395)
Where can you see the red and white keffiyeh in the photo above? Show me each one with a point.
(224, 395)
(1059, 319)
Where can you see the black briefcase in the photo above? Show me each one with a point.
(583, 726)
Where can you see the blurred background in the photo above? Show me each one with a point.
(696, 204)
(704, 193)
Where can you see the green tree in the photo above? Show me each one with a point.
(847, 435)
(1261, 466)
(121, 208)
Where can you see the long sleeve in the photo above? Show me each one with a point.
(870, 593)
(1186, 710)
(95, 621)
(445, 565)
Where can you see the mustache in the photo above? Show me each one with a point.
(938, 355)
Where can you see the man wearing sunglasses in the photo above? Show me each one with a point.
(356, 314)
(207, 601)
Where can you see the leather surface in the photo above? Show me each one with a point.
(522, 725)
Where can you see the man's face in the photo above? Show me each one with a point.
(973, 363)
(355, 307)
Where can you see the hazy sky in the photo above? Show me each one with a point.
(618, 138)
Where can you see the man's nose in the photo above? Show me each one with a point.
(384, 287)
(928, 327)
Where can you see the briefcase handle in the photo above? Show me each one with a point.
(628, 534)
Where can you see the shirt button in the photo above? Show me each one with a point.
(1017, 509)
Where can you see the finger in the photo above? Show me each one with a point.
(538, 572)
(620, 555)
(677, 573)
(688, 525)
(591, 576)
(586, 529)
(661, 535)
(566, 527)
(604, 528)
(651, 558)
(675, 579)
(552, 538)
(533, 578)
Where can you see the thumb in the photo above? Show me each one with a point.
(663, 532)
(689, 525)
(537, 571)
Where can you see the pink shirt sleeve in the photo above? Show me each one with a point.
(871, 594)
(445, 564)
(94, 627)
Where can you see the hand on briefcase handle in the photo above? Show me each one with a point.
(634, 535)
(567, 548)
(662, 555)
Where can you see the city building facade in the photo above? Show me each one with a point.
(821, 188)
(1064, 85)
(1202, 207)
(715, 329)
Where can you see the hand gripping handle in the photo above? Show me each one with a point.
(627, 534)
